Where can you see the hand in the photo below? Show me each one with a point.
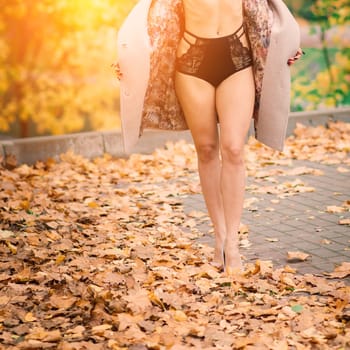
(298, 54)
(117, 71)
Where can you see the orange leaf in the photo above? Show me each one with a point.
(29, 317)
(341, 271)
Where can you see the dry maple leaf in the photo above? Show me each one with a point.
(138, 301)
(62, 301)
(296, 256)
(40, 333)
(341, 271)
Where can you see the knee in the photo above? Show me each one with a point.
(232, 154)
(207, 152)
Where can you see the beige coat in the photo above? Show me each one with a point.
(146, 53)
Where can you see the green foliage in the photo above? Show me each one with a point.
(329, 12)
(324, 79)
(312, 87)
(55, 58)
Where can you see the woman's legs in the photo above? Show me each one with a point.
(234, 103)
(223, 182)
(197, 98)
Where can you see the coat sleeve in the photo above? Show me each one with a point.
(274, 106)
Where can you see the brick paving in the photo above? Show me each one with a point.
(296, 223)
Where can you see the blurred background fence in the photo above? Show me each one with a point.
(55, 63)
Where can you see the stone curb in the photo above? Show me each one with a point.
(95, 144)
(88, 144)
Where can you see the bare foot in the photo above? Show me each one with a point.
(233, 261)
(218, 259)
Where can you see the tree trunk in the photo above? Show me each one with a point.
(24, 128)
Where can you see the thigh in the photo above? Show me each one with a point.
(235, 104)
(197, 99)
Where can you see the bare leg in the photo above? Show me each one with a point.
(197, 99)
(234, 101)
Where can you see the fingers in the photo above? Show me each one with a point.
(117, 70)
(298, 54)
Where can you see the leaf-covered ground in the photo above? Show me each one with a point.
(101, 255)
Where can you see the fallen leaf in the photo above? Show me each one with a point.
(29, 317)
(196, 214)
(344, 221)
(62, 301)
(335, 209)
(60, 258)
(341, 271)
(93, 205)
(138, 300)
(41, 334)
(296, 256)
(100, 329)
(243, 229)
(11, 247)
(297, 308)
(6, 234)
(343, 170)
(180, 316)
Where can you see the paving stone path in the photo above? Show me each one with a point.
(296, 223)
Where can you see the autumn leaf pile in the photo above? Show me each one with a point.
(102, 255)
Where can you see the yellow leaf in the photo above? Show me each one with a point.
(25, 205)
(60, 258)
(29, 317)
(12, 248)
(156, 300)
(289, 269)
(93, 205)
(180, 316)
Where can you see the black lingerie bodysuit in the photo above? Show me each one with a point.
(214, 59)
